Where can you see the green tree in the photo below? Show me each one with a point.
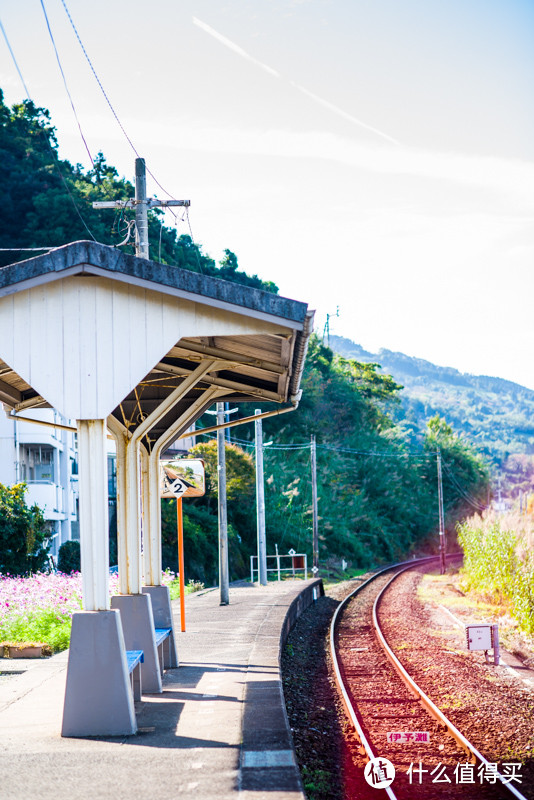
(239, 470)
(47, 202)
(466, 475)
(24, 535)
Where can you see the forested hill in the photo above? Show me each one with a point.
(495, 414)
(48, 202)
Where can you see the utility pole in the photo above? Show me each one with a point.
(442, 556)
(260, 503)
(326, 330)
(224, 580)
(142, 204)
(314, 504)
(141, 211)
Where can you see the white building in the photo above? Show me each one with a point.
(46, 460)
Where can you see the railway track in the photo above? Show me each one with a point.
(380, 698)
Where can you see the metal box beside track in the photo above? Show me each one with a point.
(479, 637)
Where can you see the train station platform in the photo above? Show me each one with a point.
(218, 730)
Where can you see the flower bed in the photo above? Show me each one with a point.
(39, 608)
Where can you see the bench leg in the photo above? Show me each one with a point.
(163, 618)
(138, 626)
(136, 682)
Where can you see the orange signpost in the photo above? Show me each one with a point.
(182, 477)
(180, 526)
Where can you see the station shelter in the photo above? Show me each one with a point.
(139, 349)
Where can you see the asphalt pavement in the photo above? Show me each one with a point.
(218, 731)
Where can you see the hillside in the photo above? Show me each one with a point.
(494, 414)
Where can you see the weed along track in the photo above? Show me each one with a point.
(393, 718)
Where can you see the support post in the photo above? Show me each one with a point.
(442, 555)
(180, 526)
(314, 503)
(260, 503)
(98, 697)
(133, 522)
(145, 509)
(94, 538)
(496, 647)
(224, 580)
(141, 211)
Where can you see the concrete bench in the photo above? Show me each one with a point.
(134, 660)
(163, 644)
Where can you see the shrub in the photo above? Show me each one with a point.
(499, 567)
(69, 557)
(24, 535)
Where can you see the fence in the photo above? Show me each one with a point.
(299, 563)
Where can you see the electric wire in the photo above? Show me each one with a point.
(55, 159)
(28, 249)
(108, 101)
(463, 492)
(14, 60)
(65, 83)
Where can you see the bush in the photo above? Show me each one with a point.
(498, 566)
(69, 559)
(24, 534)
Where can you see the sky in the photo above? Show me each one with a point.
(372, 157)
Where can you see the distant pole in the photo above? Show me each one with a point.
(442, 556)
(141, 211)
(180, 522)
(227, 416)
(224, 580)
(314, 503)
(260, 504)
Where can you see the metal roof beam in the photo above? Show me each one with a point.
(234, 386)
(32, 402)
(228, 355)
(8, 394)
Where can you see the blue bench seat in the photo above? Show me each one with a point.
(134, 659)
(161, 635)
(163, 646)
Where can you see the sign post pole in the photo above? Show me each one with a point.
(180, 526)
(183, 477)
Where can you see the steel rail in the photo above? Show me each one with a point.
(369, 752)
(471, 751)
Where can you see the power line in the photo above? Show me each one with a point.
(108, 101)
(353, 451)
(53, 153)
(14, 60)
(469, 498)
(65, 82)
(27, 249)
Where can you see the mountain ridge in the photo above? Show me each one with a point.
(495, 414)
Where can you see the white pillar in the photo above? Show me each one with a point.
(122, 558)
(94, 526)
(133, 518)
(224, 573)
(260, 504)
(152, 541)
